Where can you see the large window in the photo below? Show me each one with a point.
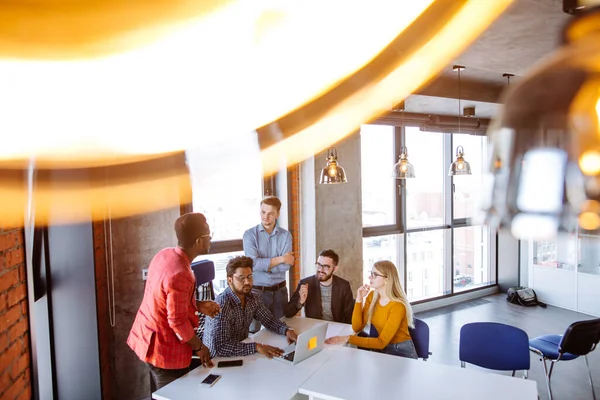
(231, 205)
(377, 142)
(377, 248)
(425, 224)
(471, 258)
(425, 192)
(427, 273)
(468, 188)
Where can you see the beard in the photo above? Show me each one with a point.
(322, 277)
(242, 289)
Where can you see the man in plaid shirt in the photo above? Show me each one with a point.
(224, 333)
(163, 332)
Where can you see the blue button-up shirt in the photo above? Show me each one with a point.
(223, 334)
(261, 247)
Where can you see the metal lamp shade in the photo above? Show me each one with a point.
(333, 174)
(460, 166)
(403, 169)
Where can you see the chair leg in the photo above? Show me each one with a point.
(513, 374)
(525, 374)
(590, 376)
(462, 364)
(548, 374)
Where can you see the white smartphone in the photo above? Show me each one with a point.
(210, 380)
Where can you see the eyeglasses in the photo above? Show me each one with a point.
(243, 278)
(325, 268)
(374, 275)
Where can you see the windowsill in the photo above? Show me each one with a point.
(445, 300)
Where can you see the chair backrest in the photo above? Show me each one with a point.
(204, 271)
(581, 337)
(420, 337)
(494, 346)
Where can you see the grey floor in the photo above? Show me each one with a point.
(569, 378)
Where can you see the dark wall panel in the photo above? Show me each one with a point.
(77, 362)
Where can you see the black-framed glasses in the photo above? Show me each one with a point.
(374, 275)
(243, 278)
(323, 267)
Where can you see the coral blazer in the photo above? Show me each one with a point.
(167, 316)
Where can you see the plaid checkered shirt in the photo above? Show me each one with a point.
(224, 334)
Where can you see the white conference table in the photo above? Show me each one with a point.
(339, 372)
(259, 377)
(354, 374)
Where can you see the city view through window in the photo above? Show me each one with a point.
(440, 252)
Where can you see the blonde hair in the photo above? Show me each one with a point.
(393, 290)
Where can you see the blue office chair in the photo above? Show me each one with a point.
(579, 339)
(420, 337)
(494, 346)
(204, 271)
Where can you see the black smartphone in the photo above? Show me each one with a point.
(210, 380)
(232, 363)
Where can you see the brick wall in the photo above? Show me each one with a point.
(14, 322)
(102, 296)
(294, 223)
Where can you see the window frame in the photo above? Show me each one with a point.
(399, 227)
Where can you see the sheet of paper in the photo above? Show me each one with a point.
(338, 330)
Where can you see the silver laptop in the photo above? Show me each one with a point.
(309, 343)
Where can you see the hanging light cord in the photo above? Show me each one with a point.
(110, 271)
(459, 100)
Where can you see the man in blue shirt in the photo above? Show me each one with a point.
(270, 247)
(225, 332)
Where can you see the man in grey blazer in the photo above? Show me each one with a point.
(323, 295)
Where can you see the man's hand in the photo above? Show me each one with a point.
(209, 308)
(291, 336)
(204, 355)
(288, 258)
(268, 351)
(303, 293)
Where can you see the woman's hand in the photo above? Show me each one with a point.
(337, 340)
(362, 292)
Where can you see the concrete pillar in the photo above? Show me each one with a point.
(337, 212)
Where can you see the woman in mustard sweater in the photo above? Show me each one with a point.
(387, 309)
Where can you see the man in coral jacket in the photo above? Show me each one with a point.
(163, 334)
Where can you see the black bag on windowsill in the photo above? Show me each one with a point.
(523, 296)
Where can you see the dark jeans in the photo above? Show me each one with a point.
(162, 377)
(275, 302)
(402, 349)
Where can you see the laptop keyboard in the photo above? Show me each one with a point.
(289, 356)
